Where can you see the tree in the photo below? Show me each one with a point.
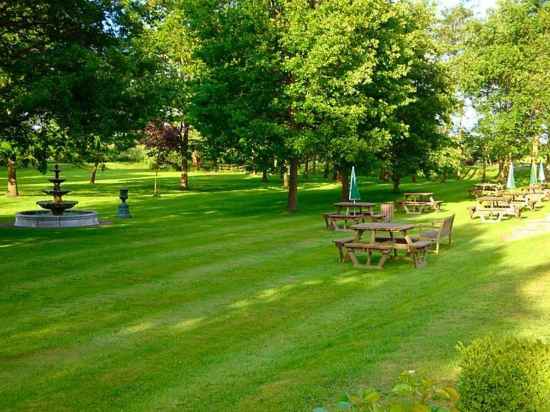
(162, 140)
(508, 63)
(74, 67)
(421, 122)
(238, 102)
(342, 56)
(283, 78)
(169, 38)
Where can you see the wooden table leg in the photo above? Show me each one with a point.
(383, 258)
(353, 258)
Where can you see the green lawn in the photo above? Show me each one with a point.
(218, 300)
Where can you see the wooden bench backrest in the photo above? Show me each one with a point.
(447, 226)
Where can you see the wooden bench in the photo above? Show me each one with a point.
(416, 249)
(384, 248)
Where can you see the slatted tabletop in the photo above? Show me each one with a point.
(355, 204)
(383, 227)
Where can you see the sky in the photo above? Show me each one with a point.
(480, 7)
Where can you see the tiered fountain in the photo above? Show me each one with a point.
(58, 214)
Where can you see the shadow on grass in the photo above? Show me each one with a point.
(221, 298)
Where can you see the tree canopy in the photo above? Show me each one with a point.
(273, 83)
(72, 71)
(505, 71)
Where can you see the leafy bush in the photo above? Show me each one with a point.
(411, 393)
(505, 375)
(133, 154)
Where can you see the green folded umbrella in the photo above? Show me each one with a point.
(511, 182)
(353, 188)
(542, 178)
(533, 177)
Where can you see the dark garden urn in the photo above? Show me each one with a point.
(123, 209)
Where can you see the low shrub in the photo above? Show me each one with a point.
(411, 393)
(505, 375)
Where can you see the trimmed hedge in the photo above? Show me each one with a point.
(505, 375)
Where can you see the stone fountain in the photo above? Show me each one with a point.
(57, 213)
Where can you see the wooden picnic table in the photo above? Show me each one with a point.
(418, 196)
(494, 208)
(419, 202)
(386, 245)
(489, 186)
(524, 199)
(482, 189)
(354, 206)
(354, 212)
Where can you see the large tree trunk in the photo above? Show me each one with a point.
(264, 175)
(293, 185)
(93, 174)
(344, 180)
(184, 177)
(12, 179)
(413, 178)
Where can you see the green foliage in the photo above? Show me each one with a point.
(346, 80)
(75, 80)
(504, 70)
(136, 154)
(505, 375)
(411, 393)
(447, 161)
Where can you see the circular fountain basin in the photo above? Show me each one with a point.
(45, 219)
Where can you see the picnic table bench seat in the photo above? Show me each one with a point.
(416, 249)
(385, 248)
